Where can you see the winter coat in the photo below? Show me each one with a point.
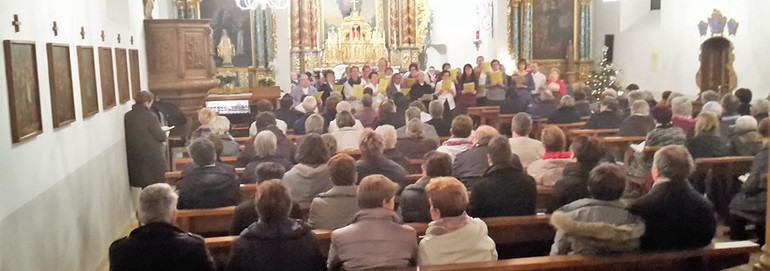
(504, 191)
(415, 147)
(160, 247)
(250, 172)
(208, 187)
(246, 214)
(566, 114)
(287, 244)
(661, 136)
(547, 171)
(413, 205)
(305, 182)
(595, 227)
(145, 153)
(445, 244)
(636, 125)
(745, 143)
(675, 215)
(706, 145)
(604, 120)
(383, 166)
(374, 238)
(753, 195)
(330, 210)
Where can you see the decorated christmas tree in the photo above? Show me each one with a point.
(602, 78)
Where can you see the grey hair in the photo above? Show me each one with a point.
(709, 96)
(266, 144)
(389, 135)
(745, 123)
(314, 124)
(761, 105)
(157, 204)
(681, 106)
(220, 125)
(566, 101)
(412, 112)
(640, 107)
(610, 92)
(674, 162)
(414, 128)
(202, 151)
(436, 109)
(634, 96)
(344, 106)
(309, 104)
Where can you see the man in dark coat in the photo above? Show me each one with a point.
(286, 147)
(505, 190)
(158, 245)
(208, 185)
(608, 117)
(287, 113)
(676, 216)
(574, 182)
(639, 123)
(144, 143)
(469, 166)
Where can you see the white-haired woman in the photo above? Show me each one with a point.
(266, 147)
(390, 137)
(415, 144)
(745, 140)
(205, 116)
(220, 126)
(681, 111)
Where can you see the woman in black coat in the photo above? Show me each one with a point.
(566, 112)
(414, 206)
(276, 242)
(708, 140)
(145, 153)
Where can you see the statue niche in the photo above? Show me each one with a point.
(716, 66)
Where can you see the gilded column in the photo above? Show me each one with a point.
(295, 42)
(270, 37)
(514, 26)
(312, 24)
(585, 29)
(526, 30)
(407, 22)
(259, 21)
(394, 26)
(304, 24)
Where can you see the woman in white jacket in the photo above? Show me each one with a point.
(453, 236)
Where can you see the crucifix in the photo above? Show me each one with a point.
(55, 29)
(82, 33)
(118, 38)
(132, 40)
(16, 23)
(102, 35)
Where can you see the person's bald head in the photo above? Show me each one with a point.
(483, 134)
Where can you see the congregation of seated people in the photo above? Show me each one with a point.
(351, 162)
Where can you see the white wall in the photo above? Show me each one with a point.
(64, 193)
(454, 26)
(659, 50)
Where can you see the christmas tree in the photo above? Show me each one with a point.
(602, 78)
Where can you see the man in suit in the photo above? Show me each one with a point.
(145, 152)
(157, 244)
(676, 216)
(209, 185)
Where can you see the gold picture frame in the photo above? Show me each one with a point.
(60, 80)
(121, 66)
(89, 97)
(107, 75)
(23, 89)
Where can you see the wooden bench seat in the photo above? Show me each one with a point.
(592, 132)
(718, 256)
(206, 222)
(718, 179)
(173, 176)
(179, 163)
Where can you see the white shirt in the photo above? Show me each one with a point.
(347, 138)
(333, 126)
(278, 123)
(539, 80)
(446, 96)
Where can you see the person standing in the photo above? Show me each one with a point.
(144, 143)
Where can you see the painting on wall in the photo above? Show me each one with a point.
(121, 64)
(60, 79)
(23, 89)
(133, 58)
(231, 30)
(334, 11)
(89, 99)
(107, 77)
(553, 26)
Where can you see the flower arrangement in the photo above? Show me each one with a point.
(226, 78)
(266, 82)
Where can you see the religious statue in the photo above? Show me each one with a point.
(225, 49)
(148, 7)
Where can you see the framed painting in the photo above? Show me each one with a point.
(89, 99)
(230, 25)
(60, 79)
(121, 65)
(553, 28)
(23, 89)
(133, 58)
(107, 77)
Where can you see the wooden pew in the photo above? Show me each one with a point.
(592, 133)
(537, 126)
(206, 222)
(718, 179)
(172, 177)
(181, 162)
(489, 116)
(504, 121)
(415, 166)
(545, 199)
(566, 128)
(718, 256)
(617, 145)
(247, 191)
(476, 113)
(516, 233)
(412, 178)
(356, 154)
(242, 140)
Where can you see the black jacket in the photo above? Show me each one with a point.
(583, 108)
(706, 145)
(288, 115)
(604, 120)
(676, 217)
(564, 115)
(299, 124)
(208, 187)
(250, 172)
(145, 153)
(246, 214)
(504, 191)
(636, 125)
(573, 184)
(382, 165)
(442, 126)
(394, 119)
(470, 166)
(285, 148)
(418, 90)
(283, 245)
(160, 247)
(413, 205)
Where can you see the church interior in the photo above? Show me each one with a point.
(73, 69)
